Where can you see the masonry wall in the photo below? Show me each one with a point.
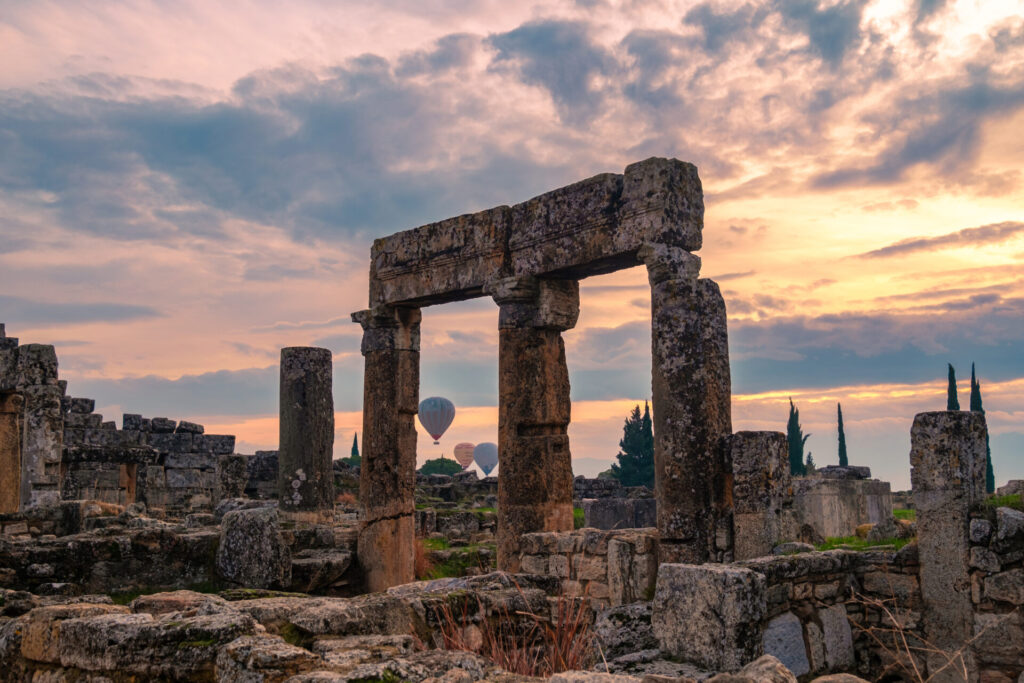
(836, 507)
(610, 567)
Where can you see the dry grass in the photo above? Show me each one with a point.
(424, 566)
(523, 642)
(906, 649)
(346, 498)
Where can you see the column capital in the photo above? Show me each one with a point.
(389, 328)
(536, 302)
(665, 262)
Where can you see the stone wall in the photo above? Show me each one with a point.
(835, 507)
(610, 567)
(619, 513)
(997, 591)
(170, 466)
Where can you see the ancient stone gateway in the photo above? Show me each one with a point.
(529, 258)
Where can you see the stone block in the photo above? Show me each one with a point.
(162, 425)
(838, 637)
(607, 513)
(83, 421)
(131, 422)
(220, 444)
(903, 587)
(36, 365)
(558, 565)
(534, 564)
(189, 427)
(252, 552)
(263, 659)
(169, 442)
(981, 531)
(201, 461)
(40, 638)
(1009, 534)
(784, 639)
(589, 567)
(1006, 587)
(998, 638)
(81, 405)
(184, 478)
(710, 615)
(984, 559)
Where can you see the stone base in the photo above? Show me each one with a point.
(386, 552)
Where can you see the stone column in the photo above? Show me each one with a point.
(692, 408)
(305, 475)
(947, 460)
(391, 388)
(535, 475)
(10, 452)
(761, 483)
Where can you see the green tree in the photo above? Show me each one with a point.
(809, 467)
(355, 446)
(952, 403)
(441, 465)
(635, 466)
(843, 460)
(977, 407)
(796, 438)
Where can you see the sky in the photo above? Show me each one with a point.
(187, 187)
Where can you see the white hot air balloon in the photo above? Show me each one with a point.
(464, 454)
(486, 456)
(436, 414)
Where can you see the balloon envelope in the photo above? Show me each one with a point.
(464, 454)
(436, 414)
(486, 456)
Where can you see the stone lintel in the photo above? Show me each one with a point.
(537, 303)
(666, 262)
(591, 227)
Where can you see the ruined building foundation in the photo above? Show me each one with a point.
(530, 258)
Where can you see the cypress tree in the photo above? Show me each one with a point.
(951, 400)
(796, 439)
(809, 464)
(977, 407)
(635, 466)
(843, 460)
(355, 446)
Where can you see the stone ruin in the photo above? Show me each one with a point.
(706, 588)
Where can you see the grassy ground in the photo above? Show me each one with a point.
(856, 543)
(910, 515)
(577, 518)
(1014, 501)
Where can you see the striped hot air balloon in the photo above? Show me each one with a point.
(464, 454)
(436, 415)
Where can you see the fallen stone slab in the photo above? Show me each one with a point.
(262, 659)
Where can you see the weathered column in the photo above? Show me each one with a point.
(305, 476)
(761, 480)
(947, 460)
(535, 475)
(692, 408)
(10, 452)
(391, 388)
(42, 433)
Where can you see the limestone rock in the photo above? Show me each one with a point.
(263, 659)
(1009, 534)
(784, 639)
(791, 548)
(591, 677)
(709, 614)
(839, 678)
(252, 552)
(765, 669)
(1006, 587)
(624, 629)
(42, 627)
(838, 637)
(191, 602)
(981, 531)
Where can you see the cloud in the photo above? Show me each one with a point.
(19, 311)
(832, 31)
(985, 234)
(561, 57)
(940, 128)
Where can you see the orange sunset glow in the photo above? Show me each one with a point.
(186, 188)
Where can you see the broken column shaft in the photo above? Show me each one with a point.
(305, 473)
(535, 475)
(692, 409)
(391, 346)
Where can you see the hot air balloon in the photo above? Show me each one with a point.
(436, 414)
(464, 454)
(486, 456)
